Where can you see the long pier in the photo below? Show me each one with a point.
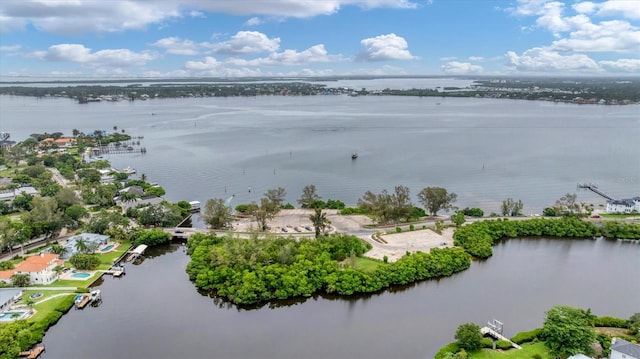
(498, 336)
(594, 188)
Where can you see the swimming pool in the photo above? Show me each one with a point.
(81, 275)
(107, 248)
(11, 315)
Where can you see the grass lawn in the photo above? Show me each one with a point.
(74, 283)
(366, 265)
(527, 351)
(107, 259)
(43, 309)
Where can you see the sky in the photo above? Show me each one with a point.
(247, 38)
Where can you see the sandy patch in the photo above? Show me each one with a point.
(411, 241)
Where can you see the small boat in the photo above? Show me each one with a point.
(354, 156)
(128, 170)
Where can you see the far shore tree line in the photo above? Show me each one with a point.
(384, 207)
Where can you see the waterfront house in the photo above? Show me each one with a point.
(143, 201)
(93, 241)
(10, 194)
(625, 206)
(622, 349)
(8, 296)
(39, 268)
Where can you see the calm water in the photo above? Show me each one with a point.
(155, 312)
(483, 150)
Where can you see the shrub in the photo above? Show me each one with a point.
(525, 337)
(242, 208)
(610, 322)
(473, 212)
(449, 348)
(398, 229)
(411, 227)
(487, 343)
(503, 344)
(288, 206)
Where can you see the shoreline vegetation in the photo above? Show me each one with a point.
(566, 331)
(603, 91)
(254, 270)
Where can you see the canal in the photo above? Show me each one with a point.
(155, 312)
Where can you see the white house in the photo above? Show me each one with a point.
(623, 205)
(622, 349)
(39, 268)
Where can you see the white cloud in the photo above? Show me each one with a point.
(461, 68)
(315, 53)
(208, 64)
(293, 8)
(608, 36)
(79, 16)
(448, 58)
(476, 58)
(177, 46)
(546, 60)
(626, 8)
(254, 21)
(622, 65)
(585, 7)
(10, 48)
(385, 48)
(110, 58)
(246, 42)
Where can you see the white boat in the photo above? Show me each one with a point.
(128, 170)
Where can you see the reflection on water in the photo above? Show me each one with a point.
(155, 312)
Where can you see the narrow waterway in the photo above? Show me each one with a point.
(155, 312)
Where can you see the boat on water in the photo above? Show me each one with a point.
(128, 170)
(354, 156)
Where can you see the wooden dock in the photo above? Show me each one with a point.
(33, 353)
(498, 336)
(83, 302)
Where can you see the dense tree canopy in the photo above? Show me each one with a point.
(248, 271)
(478, 237)
(469, 336)
(568, 331)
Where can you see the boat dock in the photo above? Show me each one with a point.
(137, 252)
(33, 353)
(116, 271)
(83, 299)
(490, 332)
(82, 302)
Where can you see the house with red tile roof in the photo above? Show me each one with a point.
(39, 268)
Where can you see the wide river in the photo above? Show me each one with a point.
(483, 150)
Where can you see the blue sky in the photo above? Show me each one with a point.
(236, 38)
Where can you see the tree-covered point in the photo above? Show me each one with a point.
(250, 271)
(478, 237)
(624, 230)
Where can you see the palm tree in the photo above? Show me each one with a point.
(143, 178)
(319, 220)
(81, 246)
